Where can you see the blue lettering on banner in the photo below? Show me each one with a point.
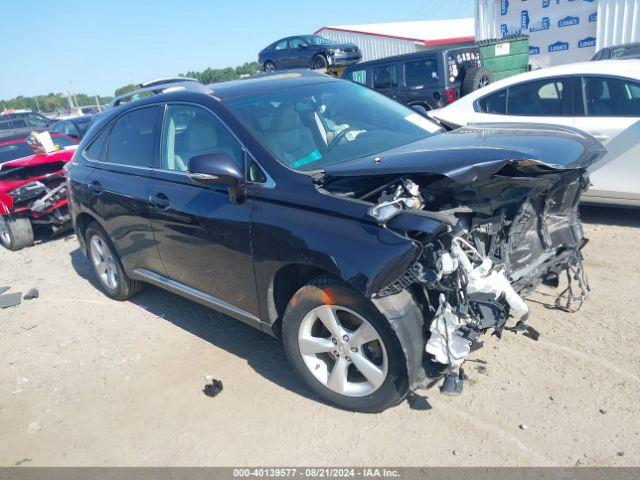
(593, 17)
(568, 21)
(545, 24)
(504, 7)
(534, 50)
(587, 42)
(524, 19)
(558, 46)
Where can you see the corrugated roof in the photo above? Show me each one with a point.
(425, 32)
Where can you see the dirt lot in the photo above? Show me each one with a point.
(89, 381)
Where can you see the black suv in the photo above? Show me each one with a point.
(307, 51)
(321, 212)
(424, 80)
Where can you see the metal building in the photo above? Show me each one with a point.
(380, 40)
(618, 22)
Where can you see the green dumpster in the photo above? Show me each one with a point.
(505, 57)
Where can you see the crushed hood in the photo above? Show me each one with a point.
(476, 153)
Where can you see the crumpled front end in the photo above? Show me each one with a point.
(504, 228)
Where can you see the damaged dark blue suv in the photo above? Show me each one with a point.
(372, 242)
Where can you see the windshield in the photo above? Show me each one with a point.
(317, 40)
(313, 126)
(20, 148)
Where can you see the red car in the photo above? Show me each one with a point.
(32, 186)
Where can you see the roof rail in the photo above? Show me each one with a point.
(156, 88)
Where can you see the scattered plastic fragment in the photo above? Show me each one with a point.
(31, 294)
(10, 299)
(214, 388)
(523, 426)
(4, 289)
(418, 402)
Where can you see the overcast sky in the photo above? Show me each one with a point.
(100, 45)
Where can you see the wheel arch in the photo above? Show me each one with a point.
(283, 286)
(80, 224)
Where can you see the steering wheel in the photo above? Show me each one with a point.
(340, 136)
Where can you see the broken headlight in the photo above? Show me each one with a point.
(27, 192)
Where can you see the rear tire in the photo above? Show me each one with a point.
(107, 267)
(360, 346)
(476, 78)
(15, 233)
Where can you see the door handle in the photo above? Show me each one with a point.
(96, 188)
(159, 201)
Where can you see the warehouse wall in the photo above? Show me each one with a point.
(559, 32)
(372, 47)
(618, 22)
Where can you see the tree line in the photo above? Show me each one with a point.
(210, 75)
(58, 101)
(50, 102)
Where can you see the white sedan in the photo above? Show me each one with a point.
(601, 98)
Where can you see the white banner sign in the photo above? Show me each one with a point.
(560, 31)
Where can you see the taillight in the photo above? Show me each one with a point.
(449, 96)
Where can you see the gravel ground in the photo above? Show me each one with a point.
(86, 381)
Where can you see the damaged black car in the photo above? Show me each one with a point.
(378, 247)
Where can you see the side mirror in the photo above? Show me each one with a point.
(215, 168)
(303, 45)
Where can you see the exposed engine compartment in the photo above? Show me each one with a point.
(502, 238)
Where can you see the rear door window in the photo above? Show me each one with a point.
(550, 98)
(133, 138)
(611, 97)
(422, 72)
(385, 76)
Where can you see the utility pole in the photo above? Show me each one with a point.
(98, 104)
(37, 104)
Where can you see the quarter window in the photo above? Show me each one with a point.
(190, 131)
(282, 44)
(540, 98)
(421, 72)
(358, 76)
(611, 97)
(385, 76)
(95, 151)
(495, 103)
(133, 138)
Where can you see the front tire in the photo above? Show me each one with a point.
(269, 66)
(15, 233)
(106, 266)
(319, 62)
(342, 347)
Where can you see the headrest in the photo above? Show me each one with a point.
(285, 118)
(201, 134)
